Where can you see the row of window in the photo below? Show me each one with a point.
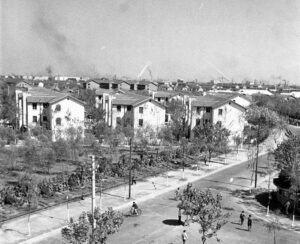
(159, 99)
(141, 109)
(45, 119)
(208, 110)
(46, 105)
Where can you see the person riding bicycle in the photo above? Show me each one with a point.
(134, 208)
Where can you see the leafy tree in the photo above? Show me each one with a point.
(262, 119)
(286, 153)
(61, 149)
(8, 104)
(205, 209)
(178, 123)
(81, 231)
(107, 224)
(7, 135)
(48, 158)
(238, 140)
(31, 154)
(165, 134)
(74, 139)
(77, 232)
(210, 138)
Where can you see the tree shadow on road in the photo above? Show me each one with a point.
(173, 222)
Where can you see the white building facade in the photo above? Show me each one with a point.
(54, 111)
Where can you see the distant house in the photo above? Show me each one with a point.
(53, 110)
(24, 84)
(255, 91)
(133, 110)
(142, 85)
(165, 97)
(105, 83)
(102, 93)
(215, 110)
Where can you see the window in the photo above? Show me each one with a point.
(104, 85)
(208, 110)
(45, 118)
(220, 111)
(34, 106)
(45, 105)
(141, 110)
(34, 119)
(167, 99)
(132, 87)
(57, 107)
(141, 122)
(128, 108)
(166, 118)
(219, 123)
(114, 86)
(141, 87)
(198, 121)
(198, 110)
(118, 121)
(58, 121)
(119, 108)
(158, 99)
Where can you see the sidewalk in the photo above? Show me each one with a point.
(48, 222)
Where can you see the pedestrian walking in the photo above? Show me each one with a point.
(242, 217)
(287, 207)
(133, 180)
(179, 216)
(249, 223)
(184, 237)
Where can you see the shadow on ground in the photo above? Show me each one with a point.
(173, 222)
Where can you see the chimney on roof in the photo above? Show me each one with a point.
(153, 93)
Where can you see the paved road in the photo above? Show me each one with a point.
(158, 225)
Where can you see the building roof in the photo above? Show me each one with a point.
(166, 94)
(108, 91)
(231, 96)
(208, 101)
(132, 100)
(212, 102)
(107, 81)
(44, 95)
(128, 99)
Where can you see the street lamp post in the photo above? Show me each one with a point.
(129, 180)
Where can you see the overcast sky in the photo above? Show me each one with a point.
(189, 39)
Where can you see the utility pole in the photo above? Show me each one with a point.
(257, 152)
(93, 193)
(183, 161)
(129, 180)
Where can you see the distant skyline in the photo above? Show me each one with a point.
(188, 39)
